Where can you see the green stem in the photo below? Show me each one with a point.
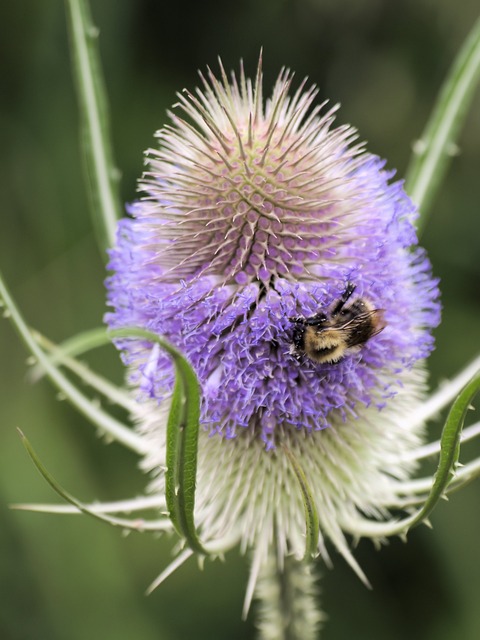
(102, 176)
(436, 147)
(104, 421)
(288, 598)
(311, 515)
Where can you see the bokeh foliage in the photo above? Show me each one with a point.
(71, 577)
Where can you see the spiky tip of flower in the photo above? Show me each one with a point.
(281, 259)
(241, 191)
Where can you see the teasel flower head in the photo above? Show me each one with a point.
(262, 225)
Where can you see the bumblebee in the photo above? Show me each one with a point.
(327, 337)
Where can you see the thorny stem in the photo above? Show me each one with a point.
(102, 175)
(432, 153)
(288, 600)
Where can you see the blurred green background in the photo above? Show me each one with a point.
(72, 577)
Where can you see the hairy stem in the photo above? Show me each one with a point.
(288, 600)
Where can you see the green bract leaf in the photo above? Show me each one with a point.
(90, 410)
(131, 505)
(182, 439)
(77, 344)
(137, 524)
(444, 475)
(311, 515)
(61, 355)
(450, 446)
(433, 151)
(101, 172)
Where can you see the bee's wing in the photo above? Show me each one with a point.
(363, 327)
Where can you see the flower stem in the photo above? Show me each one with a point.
(288, 600)
(434, 150)
(102, 176)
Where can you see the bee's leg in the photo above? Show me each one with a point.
(350, 288)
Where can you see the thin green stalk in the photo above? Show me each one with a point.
(102, 175)
(104, 421)
(130, 524)
(311, 515)
(433, 151)
(288, 598)
(444, 475)
(60, 355)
